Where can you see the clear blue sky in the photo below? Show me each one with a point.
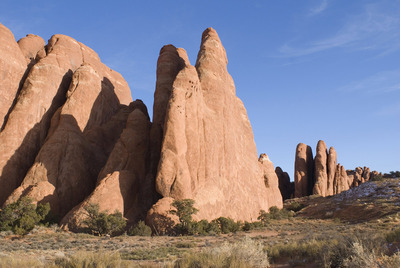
(305, 70)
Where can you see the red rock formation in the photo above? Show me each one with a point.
(303, 171)
(33, 48)
(285, 186)
(208, 152)
(340, 181)
(122, 181)
(331, 166)
(12, 69)
(68, 163)
(320, 169)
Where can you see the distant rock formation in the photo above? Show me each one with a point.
(329, 177)
(303, 171)
(285, 186)
(72, 136)
(320, 170)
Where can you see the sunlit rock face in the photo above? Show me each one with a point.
(208, 152)
(71, 135)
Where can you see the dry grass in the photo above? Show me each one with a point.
(245, 253)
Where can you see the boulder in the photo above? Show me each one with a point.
(303, 171)
(320, 169)
(159, 218)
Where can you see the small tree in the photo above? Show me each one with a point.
(184, 210)
(102, 223)
(22, 216)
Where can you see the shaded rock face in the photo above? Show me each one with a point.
(122, 182)
(57, 124)
(320, 169)
(303, 171)
(285, 186)
(208, 152)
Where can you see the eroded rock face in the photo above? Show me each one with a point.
(320, 169)
(122, 181)
(340, 181)
(285, 186)
(208, 152)
(72, 156)
(33, 48)
(303, 171)
(12, 69)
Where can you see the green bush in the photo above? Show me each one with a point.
(247, 226)
(295, 206)
(184, 210)
(140, 229)
(377, 178)
(102, 223)
(274, 214)
(393, 236)
(22, 216)
(227, 225)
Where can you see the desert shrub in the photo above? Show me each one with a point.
(245, 253)
(360, 257)
(102, 223)
(90, 259)
(393, 236)
(309, 250)
(247, 226)
(274, 214)
(22, 216)
(184, 210)
(140, 229)
(377, 178)
(295, 206)
(227, 225)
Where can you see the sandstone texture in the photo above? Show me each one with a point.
(208, 152)
(303, 171)
(320, 169)
(33, 48)
(122, 182)
(12, 70)
(331, 166)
